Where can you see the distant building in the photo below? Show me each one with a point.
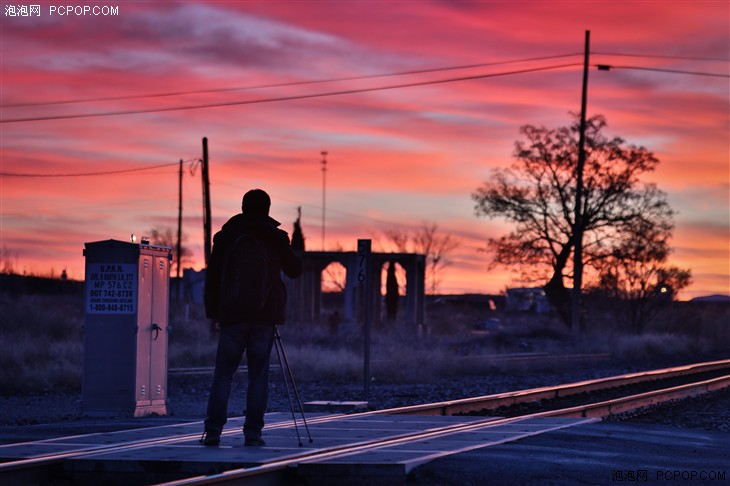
(193, 286)
(527, 299)
(304, 303)
(712, 298)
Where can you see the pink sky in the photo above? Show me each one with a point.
(397, 158)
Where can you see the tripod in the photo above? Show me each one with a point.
(289, 377)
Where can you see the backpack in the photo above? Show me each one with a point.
(246, 279)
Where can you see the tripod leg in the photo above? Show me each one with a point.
(279, 352)
(277, 337)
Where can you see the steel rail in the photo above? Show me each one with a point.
(504, 358)
(654, 397)
(22, 466)
(439, 408)
(335, 452)
(466, 405)
(588, 412)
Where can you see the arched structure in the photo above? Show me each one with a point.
(305, 293)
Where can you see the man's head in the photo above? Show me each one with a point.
(256, 203)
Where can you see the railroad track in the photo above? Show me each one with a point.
(518, 358)
(35, 469)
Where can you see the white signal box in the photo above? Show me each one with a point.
(126, 329)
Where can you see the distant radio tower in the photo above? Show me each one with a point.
(324, 189)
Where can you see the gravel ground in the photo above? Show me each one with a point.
(710, 412)
(60, 413)
(187, 396)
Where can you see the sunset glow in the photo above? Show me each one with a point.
(397, 158)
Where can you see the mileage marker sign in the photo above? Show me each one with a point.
(111, 288)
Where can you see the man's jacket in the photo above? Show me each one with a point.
(281, 258)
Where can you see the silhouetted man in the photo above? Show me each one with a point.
(249, 254)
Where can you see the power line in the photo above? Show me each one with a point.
(85, 174)
(287, 98)
(659, 56)
(352, 78)
(606, 67)
(318, 208)
(290, 84)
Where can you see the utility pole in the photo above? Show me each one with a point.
(365, 281)
(578, 225)
(179, 225)
(324, 190)
(206, 203)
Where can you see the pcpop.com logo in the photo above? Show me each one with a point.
(83, 10)
(62, 10)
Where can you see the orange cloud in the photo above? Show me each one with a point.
(396, 157)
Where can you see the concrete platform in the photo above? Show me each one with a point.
(529, 452)
(185, 456)
(604, 453)
(336, 406)
(392, 464)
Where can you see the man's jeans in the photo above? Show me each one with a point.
(256, 340)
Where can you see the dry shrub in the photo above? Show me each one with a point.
(652, 345)
(408, 362)
(310, 362)
(42, 343)
(706, 322)
(316, 354)
(446, 317)
(191, 342)
(715, 335)
(191, 354)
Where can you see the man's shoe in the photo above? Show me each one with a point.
(254, 441)
(211, 438)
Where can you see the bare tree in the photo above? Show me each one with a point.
(9, 260)
(429, 242)
(437, 248)
(168, 237)
(538, 192)
(400, 238)
(636, 282)
(334, 276)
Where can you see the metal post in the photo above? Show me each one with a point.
(578, 225)
(364, 280)
(324, 192)
(206, 203)
(179, 226)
